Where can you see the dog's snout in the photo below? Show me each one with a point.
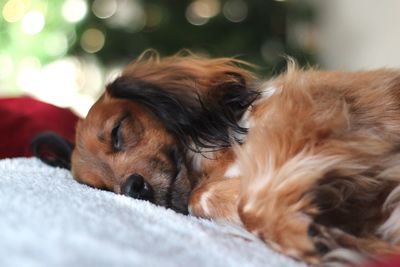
(136, 187)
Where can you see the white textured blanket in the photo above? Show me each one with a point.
(48, 219)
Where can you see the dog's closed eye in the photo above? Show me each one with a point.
(117, 140)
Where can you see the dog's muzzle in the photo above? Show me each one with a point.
(136, 187)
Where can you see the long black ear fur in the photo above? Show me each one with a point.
(200, 121)
(52, 149)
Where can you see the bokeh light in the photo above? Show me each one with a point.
(74, 10)
(130, 15)
(29, 73)
(272, 51)
(104, 8)
(61, 82)
(195, 13)
(6, 65)
(33, 22)
(51, 46)
(13, 10)
(200, 11)
(92, 40)
(235, 10)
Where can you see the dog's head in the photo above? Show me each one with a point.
(135, 138)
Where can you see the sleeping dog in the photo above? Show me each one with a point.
(307, 161)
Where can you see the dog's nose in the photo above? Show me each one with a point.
(136, 187)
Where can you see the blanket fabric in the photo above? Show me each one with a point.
(24, 117)
(48, 219)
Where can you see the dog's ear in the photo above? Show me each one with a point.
(200, 115)
(52, 149)
(230, 95)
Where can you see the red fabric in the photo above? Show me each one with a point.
(393, 261)
(22, 118)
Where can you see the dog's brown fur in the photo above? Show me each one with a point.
(146, 142)
(323, 142)
(318, 170)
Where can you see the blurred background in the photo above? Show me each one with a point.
(63, 51)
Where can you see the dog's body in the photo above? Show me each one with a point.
(315, 176)
(318, 170)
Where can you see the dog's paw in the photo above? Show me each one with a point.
(321, 238)
(335, 247)
(291, 236)
(338, 248)
(326, 248)
(216, 200)
(317, 244)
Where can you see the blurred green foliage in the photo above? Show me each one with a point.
(111, 33)
(260, 38)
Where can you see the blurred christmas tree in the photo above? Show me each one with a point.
(255, 30)
(45, 43)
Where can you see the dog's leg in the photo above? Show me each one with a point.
(344, 249)
(282, 211)
(282, 225)
(216, 199)
(370, 246)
